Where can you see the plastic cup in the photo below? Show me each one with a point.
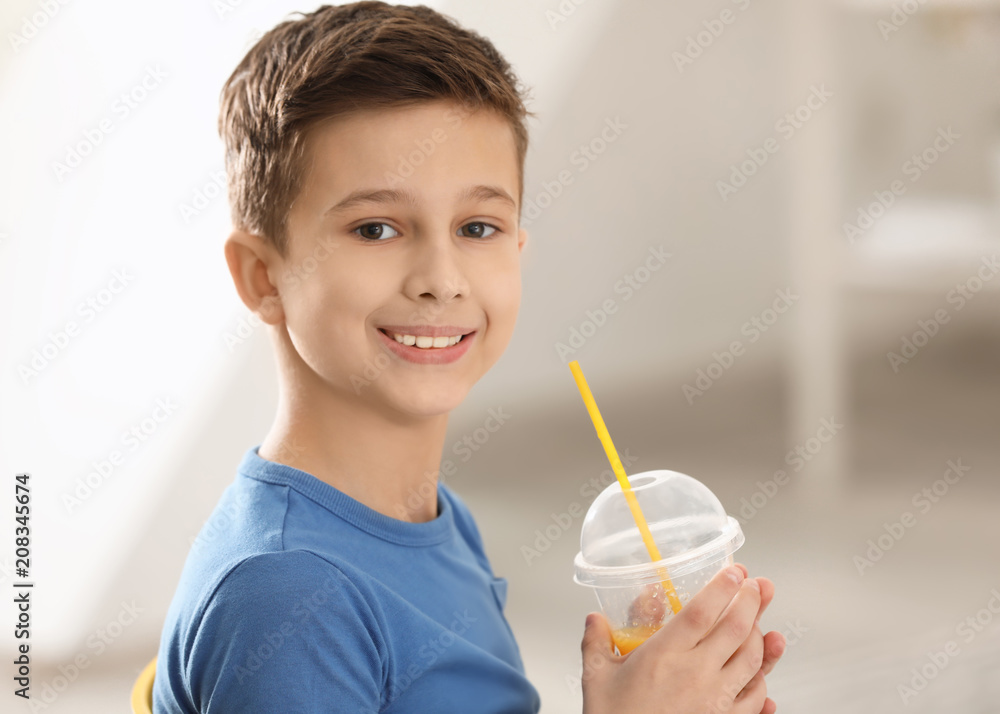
(695, 537)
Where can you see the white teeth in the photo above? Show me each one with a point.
(425, 342)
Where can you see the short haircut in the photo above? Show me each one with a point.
(342, 59)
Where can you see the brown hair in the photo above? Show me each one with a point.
(336, 60)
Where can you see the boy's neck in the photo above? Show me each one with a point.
(388, 464)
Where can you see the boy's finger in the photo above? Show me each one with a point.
(766, 595)
(597, 643)
(746, 661)
(691, 625)
(752, 699)
(774, 647)
(649, 606)
(735, 625)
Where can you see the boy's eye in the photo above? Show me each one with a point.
(477, 230)
(376, 231)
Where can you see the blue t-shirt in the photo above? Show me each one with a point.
(296, 597)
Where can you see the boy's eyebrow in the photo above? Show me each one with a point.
(488, 193)
(382, 195)
(392, 195)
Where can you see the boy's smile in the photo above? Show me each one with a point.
(428, 345)
(418, 294)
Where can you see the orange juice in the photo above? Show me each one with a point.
(628, 638)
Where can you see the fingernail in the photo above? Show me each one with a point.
(754, 584)
(734, 574)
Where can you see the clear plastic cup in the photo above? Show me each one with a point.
(695, 537)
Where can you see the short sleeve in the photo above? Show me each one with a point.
(287, 632)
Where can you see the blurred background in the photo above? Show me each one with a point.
(818, 342)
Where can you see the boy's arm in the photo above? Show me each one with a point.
(286, 631)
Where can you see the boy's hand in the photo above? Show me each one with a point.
(710, 657)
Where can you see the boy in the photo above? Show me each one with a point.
(375, 158)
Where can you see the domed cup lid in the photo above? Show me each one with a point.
(688, 523)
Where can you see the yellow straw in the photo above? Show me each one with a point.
(616, 465)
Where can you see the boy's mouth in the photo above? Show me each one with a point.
(430, 338)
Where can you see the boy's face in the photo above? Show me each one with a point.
(407, 221)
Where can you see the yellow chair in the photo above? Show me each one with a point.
(142, 690)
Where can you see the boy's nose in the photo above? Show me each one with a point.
(436, 271)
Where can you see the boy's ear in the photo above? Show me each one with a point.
(249, 258)
(522, 238)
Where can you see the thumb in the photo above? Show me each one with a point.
(596, 637)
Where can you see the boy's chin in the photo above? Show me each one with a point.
(427, 400)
